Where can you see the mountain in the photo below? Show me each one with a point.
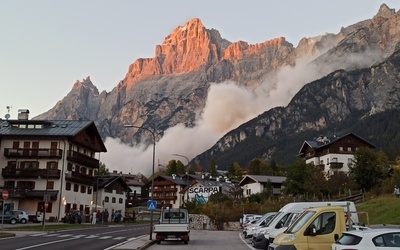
(173, 87)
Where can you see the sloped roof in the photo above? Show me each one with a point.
(319, 145)
(261, 179)
(105, 181)
(49, 128)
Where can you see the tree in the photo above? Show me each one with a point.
(180, 167)
(171, 168)
(259, 167)
(297, 175)
(235, 172)
(213, 167)
(103, 170)
(368, 170)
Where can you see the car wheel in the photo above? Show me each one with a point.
(23, 221)
(13, 221)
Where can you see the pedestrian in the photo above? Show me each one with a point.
(94, 218)
(106, 216)
(396, 191)
(116, 216)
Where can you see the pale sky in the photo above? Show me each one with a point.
(47, 45)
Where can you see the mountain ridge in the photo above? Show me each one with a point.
(172, 88)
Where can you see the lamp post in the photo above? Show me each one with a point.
(187, 177)
(152, 176)
(45, 197)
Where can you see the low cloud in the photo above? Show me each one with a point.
(228, 106)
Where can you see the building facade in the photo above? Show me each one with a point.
(333, 155)
(49, 164)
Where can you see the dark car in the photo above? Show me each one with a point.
(74, 216)
(8, 217)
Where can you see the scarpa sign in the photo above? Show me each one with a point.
(201, 194)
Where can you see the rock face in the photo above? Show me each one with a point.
(172, 87)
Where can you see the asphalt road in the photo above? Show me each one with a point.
(86, 238)
(204, 239)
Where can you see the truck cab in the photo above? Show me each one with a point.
(317, 228)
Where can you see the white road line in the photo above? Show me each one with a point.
(247, 244)
(65, 235)
(105, 237)
(122, 243)
(44, 244)
(91, 237)
(119, 238)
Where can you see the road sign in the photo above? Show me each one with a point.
(151, 205)
(4, 194)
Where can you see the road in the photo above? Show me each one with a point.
(87, 238)
(204, 239)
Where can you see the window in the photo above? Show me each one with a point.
(83, 189)
(9, 184)
(69, 166)
(76, 187)
(121, 200)
(334, 159)
(349, 149)
(89, 190)
(50, 184)
(68, 186)
(52, 164)
(340, 148)
(106, 199)
(349, 161)
(114, 200)
(325, 223)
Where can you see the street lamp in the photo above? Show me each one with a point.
(45, 196)
(187, 177)
(152, 176)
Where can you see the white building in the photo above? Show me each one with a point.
(333, 155)
(52, 164)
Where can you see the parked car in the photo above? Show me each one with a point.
(251, 229)
(74, 216)
(22, 216)
(379, 238)
(8, 217)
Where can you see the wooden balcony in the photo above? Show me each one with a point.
(165, 197)
(30, 153)
(162, 190)
(82, 159)
(336, 165)
(81, 178)
(320, 167)
(52, 174)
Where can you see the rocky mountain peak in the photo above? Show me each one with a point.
(187, 48)
(385, 11)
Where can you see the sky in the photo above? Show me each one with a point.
(46, 46)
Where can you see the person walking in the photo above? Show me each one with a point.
(396, 191)
(94, 218)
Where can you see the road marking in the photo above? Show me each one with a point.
(105, 237)
(91, 236)
(44, 244)
(247, 244)
(119, 238)
(65, 235)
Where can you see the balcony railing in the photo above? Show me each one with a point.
(165, 197)
(8, 172)
(80, 178)
(37, 153)
(336, 165)
(82, 159)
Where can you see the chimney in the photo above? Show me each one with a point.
(23, 114)
(173, 176)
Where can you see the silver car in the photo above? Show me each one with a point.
(22, 216)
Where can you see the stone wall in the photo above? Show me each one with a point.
(203, 222)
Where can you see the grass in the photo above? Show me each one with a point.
(384, 209)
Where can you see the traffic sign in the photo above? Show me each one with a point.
(4, 194)
(151, 205)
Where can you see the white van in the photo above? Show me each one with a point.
(288, 213)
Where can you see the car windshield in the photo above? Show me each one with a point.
(275, 218)
(300, 222)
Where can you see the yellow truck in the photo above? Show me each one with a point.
(316, 229)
